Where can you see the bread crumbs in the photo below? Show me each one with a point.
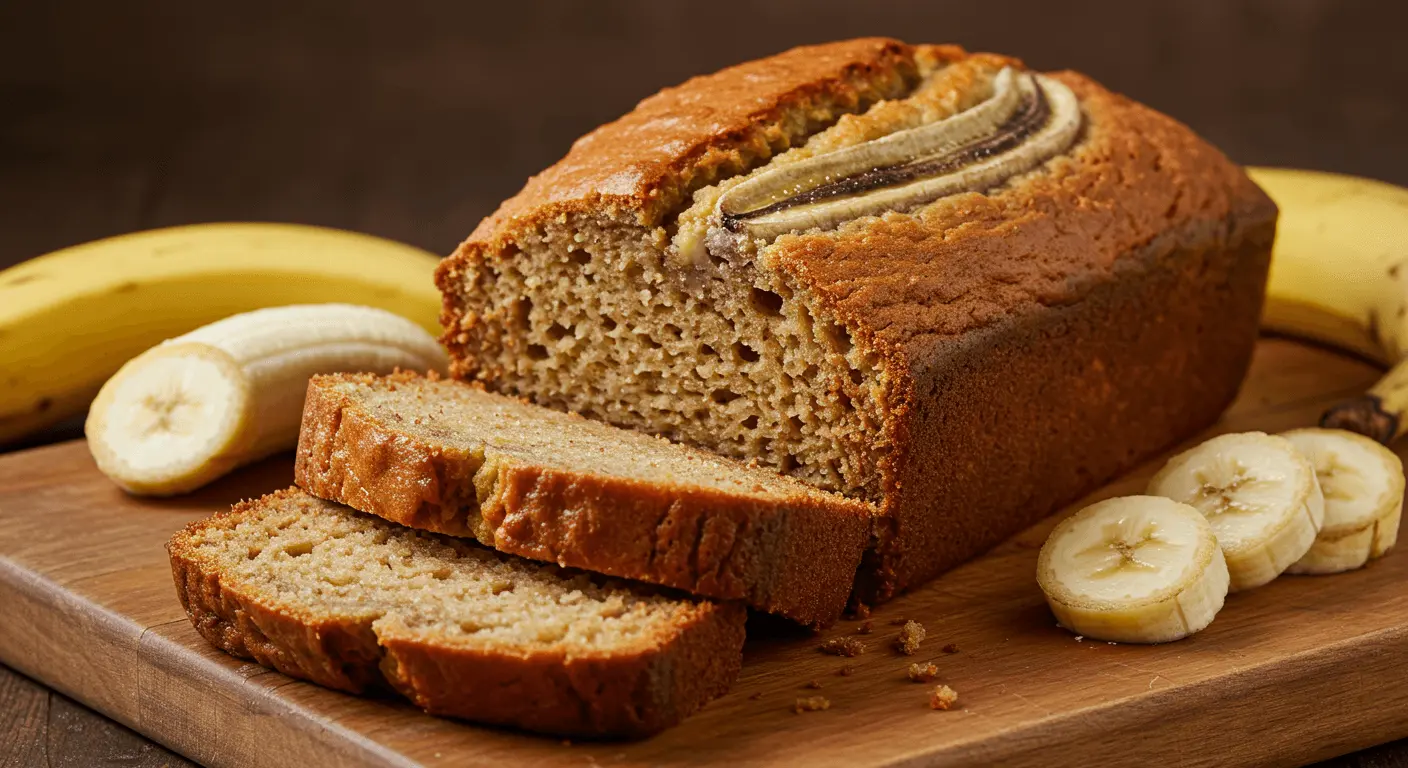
(864, 628)
(898, 622)
(951, 648)
(923, 673)
(911, 635)
(756, 696)
(943, 697)
(814, 684)
(811, 704)
(846, 671)
(862, 611)
(843, 646)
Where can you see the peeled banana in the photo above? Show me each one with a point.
(1260, 495)
(1137, 569)
(70, 319)
(1339, 276)
(198, 406)
(1363, 486)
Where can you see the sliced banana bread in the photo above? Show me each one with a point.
(324, 593)
(448, 457)
(934, 280)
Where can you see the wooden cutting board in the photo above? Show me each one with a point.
(1302, 669)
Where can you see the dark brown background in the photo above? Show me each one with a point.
(412, 119)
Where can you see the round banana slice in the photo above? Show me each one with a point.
(1363, 486)
(196, 407)
(1137, 569)
(170, 419)
(1259, 494)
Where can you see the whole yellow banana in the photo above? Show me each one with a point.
(1339, 276)
(70, 319)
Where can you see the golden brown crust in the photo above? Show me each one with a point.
(1026, 415)
(645, 165)
(795, 556)
(1139, 191)
(684, 137)
(970, 259)
(628, 694)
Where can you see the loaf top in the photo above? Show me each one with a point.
(687, 136)
(1134, 178)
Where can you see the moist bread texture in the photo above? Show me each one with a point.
(968, 364)
(446, 456)
(349, 601)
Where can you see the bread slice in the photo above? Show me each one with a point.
(324, 593)
(448, 457)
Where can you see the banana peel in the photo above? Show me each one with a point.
(70, 319)
(1339, 276)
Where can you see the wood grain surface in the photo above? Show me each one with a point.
(42, 728)
(1301, 670)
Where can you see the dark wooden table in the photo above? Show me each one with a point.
(412, 120)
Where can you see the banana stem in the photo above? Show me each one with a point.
(1377, 414)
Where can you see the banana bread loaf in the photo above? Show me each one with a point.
(923, 278)
(349, 601)
(448, 457)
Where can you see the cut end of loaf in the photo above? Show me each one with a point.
(598, 309)
(588, 318)
(325, 593)
(647, 327)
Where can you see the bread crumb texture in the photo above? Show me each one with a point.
(843, 646)
(560, 488)
(923, 673)
(811, 704)
(911, 635)
(322, 592)
(465, 420)
(330, 561)
(943, 697)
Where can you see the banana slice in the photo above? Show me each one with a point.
(1363, 486)
(193, 408)
(1137, 569)
(1259, 494)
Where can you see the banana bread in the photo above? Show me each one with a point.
(448, 457)
(323, 593)
(927, 279)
